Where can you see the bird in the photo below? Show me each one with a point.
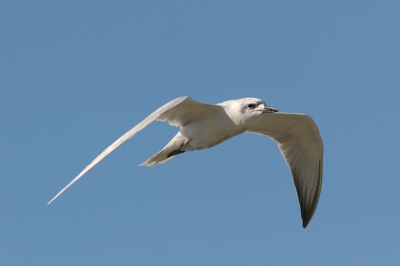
(204, 125)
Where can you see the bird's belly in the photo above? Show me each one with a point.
(208, 141)
(203, 137)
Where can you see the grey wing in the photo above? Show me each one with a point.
(301, 145)
(177, 112)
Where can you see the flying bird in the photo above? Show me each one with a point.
(205, 125)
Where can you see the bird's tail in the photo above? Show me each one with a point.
(158, 158)
(172, 149)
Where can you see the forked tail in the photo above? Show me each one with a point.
(172, 149)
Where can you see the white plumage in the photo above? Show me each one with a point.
(206, 125)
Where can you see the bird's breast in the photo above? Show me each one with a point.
(206, 134)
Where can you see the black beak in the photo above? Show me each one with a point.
(269, 109)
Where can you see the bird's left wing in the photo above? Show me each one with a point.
(301, 145)
(177, 112)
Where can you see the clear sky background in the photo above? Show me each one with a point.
(75, 76)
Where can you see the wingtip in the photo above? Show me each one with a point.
(52, 200)
(306, 219)
(305, 224)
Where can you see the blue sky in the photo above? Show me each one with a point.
(76, 76)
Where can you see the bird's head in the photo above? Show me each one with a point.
(247, 111)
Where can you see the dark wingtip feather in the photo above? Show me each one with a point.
(308, 212)
(306, 221)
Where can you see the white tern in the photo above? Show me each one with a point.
(206, 125)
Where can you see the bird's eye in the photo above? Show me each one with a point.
(251, 106)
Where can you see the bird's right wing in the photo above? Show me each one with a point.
(301, 145)
(178, 112)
